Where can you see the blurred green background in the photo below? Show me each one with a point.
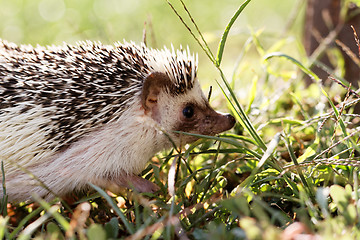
(48, 22)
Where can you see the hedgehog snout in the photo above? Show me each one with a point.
(220, 123)
(231, 120)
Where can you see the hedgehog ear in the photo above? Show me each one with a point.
(152, 86)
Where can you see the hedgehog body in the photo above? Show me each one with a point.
(93, 113)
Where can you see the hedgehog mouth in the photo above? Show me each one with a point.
(208, 127)
(218, 124)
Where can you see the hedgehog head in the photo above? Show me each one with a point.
(173, 98)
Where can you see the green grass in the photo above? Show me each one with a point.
(291, 162)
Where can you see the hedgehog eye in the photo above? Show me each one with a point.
(188, 111)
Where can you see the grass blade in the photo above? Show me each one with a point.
(240, 112)
(270, 149)
(53, 211)
(128, 225)
(198, 30)
(296, 62)
(24, 221)
(226, 33)
(252, 93)
(4, 199)
(244, 120)
(204, 48)
(225, 140)
(341, 122)
(299, 171)
(337, 114)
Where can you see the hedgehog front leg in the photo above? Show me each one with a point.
(134, 182)
(140, 184)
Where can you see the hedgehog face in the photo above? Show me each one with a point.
(188, 111)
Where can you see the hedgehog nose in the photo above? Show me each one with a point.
(231, 119)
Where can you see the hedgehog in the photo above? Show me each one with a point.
(72, 115)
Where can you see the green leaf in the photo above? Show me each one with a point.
(54, 231)
(112, 228)
(239, 206)
(338, 194)
(310, 151)
(251, 228)
(96, 232)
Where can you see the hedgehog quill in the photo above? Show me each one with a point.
(94, 113)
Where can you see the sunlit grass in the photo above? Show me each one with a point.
(291, 160)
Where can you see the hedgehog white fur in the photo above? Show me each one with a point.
(94, 113)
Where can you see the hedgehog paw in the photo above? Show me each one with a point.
(141, 185)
